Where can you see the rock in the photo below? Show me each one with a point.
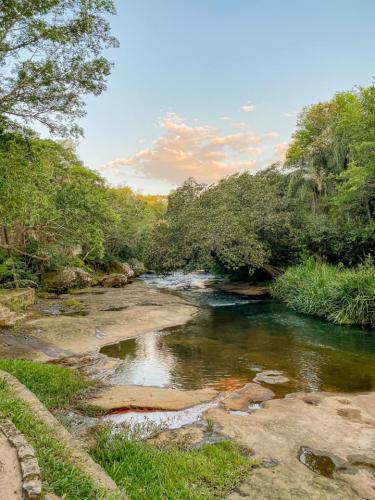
(117, 267)
(13, 303)
(126, 270)
(30, 468)
(138, 267)
(33, 489)
(271, 377)
(114, 280)
(251, 291)
(143, 397)
(8, 317)
(251, 393)
(60, 280)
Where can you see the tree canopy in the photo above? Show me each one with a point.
(51, 55)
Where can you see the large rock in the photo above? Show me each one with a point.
(115, 280)
(60, 280)
(137, 266)
(117, 267)
(251, 291)
(121, 396)
(250, 393)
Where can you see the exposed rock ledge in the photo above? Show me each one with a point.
(251, 291)
(342, 425)
(107, 316)
(155, 398)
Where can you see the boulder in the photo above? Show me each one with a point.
(60, 280)
(115, 280)
(251, 291)
(117, 267)
(250, 393)
(137, 266)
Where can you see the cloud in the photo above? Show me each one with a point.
(280, 150)
(291, 114)
(248, 108)
(185, 150)
(271, 135)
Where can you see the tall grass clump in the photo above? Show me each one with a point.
(343, 296)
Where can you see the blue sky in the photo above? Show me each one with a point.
(209, 87)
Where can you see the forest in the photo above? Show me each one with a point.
(315, 211)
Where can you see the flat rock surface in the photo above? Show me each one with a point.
(10, 472)
(112, 315)
(157, 398)
(343, 425)
(257, 292)
(250, 393)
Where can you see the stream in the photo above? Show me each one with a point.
(232, 339)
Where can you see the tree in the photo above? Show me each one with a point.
(50, 56)
(50, 204)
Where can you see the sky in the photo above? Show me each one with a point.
(207, 88)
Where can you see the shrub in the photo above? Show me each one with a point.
(344, 296)
(15, 273)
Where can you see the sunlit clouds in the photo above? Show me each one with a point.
(187, 149)
(248, 108)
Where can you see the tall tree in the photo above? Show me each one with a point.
(50, 56)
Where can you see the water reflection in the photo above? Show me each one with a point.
(224, 347)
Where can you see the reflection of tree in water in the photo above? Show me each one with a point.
(222, 346)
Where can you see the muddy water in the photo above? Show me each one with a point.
(232, 339)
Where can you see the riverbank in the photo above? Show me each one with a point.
(77, 324)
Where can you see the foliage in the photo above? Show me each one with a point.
(50, 56)
(59, 474)
(344, 296)
(54, 385)
(242, 222)
(144, 470)
(137, 215)
(14, 273)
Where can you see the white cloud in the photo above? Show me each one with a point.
(248, 108)
(185, 150)
(291, 114)
(271, 135)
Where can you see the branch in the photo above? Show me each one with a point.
(36, 257)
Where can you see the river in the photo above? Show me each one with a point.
(232, 339)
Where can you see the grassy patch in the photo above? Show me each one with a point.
(144, 471)
(343, 296)
(59, 474)
(54, 385)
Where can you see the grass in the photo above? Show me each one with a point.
(54, 385)
(150, 471)
(59, 474)
(343, 296)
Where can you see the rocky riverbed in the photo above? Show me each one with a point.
(66, 325)
(315, 445)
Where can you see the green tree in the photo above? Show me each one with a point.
(51, 56)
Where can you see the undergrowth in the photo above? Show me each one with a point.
(343, 296)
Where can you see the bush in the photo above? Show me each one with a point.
(344, 296)
(15, 273)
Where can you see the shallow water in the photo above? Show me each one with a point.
(232, 339)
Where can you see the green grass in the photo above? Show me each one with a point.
(58, 472)
(343, 296)
(149, 471)
(54, 385)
